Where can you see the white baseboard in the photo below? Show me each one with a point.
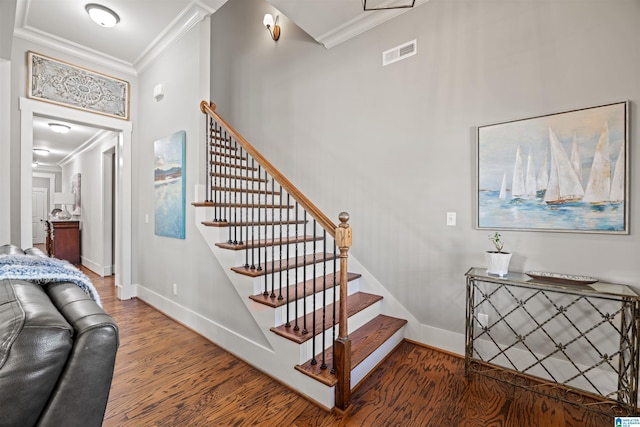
(100, 270)
(452, 342)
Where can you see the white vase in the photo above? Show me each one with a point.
(498, 263)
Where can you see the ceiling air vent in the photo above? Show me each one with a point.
(399, 52)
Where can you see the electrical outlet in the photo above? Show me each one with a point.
(175, 289)
(483, 320)
(451, 218)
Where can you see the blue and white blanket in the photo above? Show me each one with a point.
(42, 270)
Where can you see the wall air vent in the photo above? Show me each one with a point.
(399, 52)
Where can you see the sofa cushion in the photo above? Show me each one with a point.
(35, 343)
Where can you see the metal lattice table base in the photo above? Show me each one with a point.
(575, 343)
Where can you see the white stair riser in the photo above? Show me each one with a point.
(355, 322)
(360, 372)
(282, 279)
(280, 313)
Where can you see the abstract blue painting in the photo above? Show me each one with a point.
(169, 186)
(560, 172)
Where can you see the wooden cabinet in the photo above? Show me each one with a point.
(63, 240)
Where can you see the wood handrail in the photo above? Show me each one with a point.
(312, 209)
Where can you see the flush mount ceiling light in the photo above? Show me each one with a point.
(269, 22)
(41, 151)
(102, 15)
(387, 4)
(59, 127)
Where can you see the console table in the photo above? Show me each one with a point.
(63, 240)
(576, 342)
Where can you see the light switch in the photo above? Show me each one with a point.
(451, 218)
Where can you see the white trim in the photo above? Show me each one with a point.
(5, 150)
(360, 24)
(180, 26)
(29, 108)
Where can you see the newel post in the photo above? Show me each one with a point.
(342, 345)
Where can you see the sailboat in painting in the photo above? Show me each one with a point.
(530, 178)
(564, 185)
(503, 187)
(518, 189)
(542, 179)
(576, 159)
(617, 183)
(599, 184)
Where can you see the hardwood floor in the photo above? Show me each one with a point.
(167, 375)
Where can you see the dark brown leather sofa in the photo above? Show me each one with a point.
(57, 353)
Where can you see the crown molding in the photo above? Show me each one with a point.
(360, 24)
(185, 21)
(194, 13)
(62, 45)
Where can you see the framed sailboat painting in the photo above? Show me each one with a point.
(564, 172)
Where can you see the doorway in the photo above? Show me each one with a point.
(39, 206)
(122, 217)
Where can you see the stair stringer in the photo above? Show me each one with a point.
(279, 360)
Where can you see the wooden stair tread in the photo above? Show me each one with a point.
(263, 243)
(364, 341)
(355, 304)
(275, 266)
(248, 224)
(233, 166)
(238, 177)
(246, 190)
(242, 205)
(230, 155)
(289, 293)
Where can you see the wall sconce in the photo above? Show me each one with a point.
(269, 22)
(158, 92)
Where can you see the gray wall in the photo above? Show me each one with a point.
(394, 146)
(204, 292)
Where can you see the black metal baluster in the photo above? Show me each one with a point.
(273, 240)
(242, 210)
(335, 291)
(297, 316)
(286, 283)
(313, 340)
(207, 166)
(280, 298)
(247, 223)
(216, 201)
(226, 180)
(260, 204)
(324, 297)
(253, 207)
(304, 276)
(229, 161)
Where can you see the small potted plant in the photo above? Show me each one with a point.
(498, 260)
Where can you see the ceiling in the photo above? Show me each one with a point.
(146, 27)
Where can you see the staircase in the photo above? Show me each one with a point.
(288, 262)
